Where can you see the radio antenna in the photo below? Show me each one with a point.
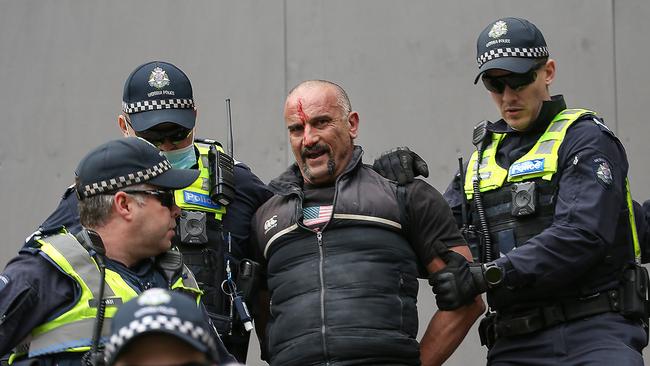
(229, 141)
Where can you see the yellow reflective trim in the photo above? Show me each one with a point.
(200, 186)
(541, 160)
(635, 236)
(179, 284)
(492, 175)
(81, 309)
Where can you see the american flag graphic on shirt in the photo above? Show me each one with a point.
(316, 215)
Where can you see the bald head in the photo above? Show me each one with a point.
(341, 96)
(322, 129)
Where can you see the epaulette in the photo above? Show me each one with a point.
(68, 191)
(32, 240)
(601, 124)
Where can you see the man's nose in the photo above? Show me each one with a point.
(310, 136)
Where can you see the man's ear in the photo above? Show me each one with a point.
(123, 205)
(549, 69)
(353, 120)
(121, 122)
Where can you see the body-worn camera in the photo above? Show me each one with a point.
(192, 227)
(524, 199)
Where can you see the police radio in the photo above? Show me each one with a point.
(481, 137)
(221, 166)
(222, 176)
(192, 228)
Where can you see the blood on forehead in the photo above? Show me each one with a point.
(301, 113)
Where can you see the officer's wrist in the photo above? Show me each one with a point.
(476, 269)
(493, 274)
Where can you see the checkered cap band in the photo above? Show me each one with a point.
(127, 180)
(536, 52)
(160, 322)
(152, 105)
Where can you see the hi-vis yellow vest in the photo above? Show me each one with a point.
(540, 162)
(72, 331)
(196, 197)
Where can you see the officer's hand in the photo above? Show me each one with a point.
(401, 164)
(458, 283)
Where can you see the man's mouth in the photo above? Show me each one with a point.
(314, 152)
(513, 109)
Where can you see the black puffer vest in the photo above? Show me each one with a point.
(345, 295)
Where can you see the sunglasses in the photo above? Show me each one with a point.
(166, 198)
(175, 136)
(157, 138)
(516, 82)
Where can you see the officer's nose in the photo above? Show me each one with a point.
(509, 94)
(167, 145)
(175, 211)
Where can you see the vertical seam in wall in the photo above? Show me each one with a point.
(616, 120)
(286, 77)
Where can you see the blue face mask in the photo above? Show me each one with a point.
(184, 158)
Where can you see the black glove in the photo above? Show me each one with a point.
(401, 164)
(458, 283)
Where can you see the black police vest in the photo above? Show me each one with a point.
(204, 253)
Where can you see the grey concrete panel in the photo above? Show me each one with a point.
(632, 83)
(63, 69)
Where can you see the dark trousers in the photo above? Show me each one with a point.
(604, 339)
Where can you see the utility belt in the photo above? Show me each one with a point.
(630, 300)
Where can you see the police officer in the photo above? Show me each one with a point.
(549, 195)
(49, 293)
(158, 106)
(160, 327)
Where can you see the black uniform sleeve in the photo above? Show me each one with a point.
(431, 224)
(250, 194)
(591, 192)
(454, 198)
(225, 357)
(31, 291)
(66, 214)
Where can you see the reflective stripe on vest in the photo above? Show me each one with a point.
(540, 161)
(196, 197)
(72, 331)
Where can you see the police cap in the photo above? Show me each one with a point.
(511, 44)
(160, 311)
(158, 92)
(125, 162)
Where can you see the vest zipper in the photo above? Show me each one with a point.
(319, 238)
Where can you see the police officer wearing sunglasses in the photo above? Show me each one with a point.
(50, 308)
(549, 198)
(158, 106)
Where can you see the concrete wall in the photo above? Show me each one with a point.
(408, 68)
